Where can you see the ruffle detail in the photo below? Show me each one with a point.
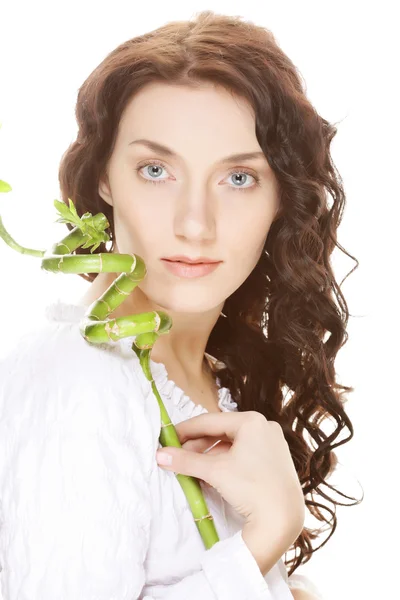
(182, 401)
(61, 311)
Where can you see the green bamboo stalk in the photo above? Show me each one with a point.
(95, 327)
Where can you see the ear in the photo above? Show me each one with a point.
(105, 193)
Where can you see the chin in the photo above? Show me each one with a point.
(178, 307)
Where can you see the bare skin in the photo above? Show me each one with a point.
(202, 391)
(198, 206)
(302, 595)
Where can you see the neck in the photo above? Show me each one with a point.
(182, 350)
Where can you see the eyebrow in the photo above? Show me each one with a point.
(156, 147)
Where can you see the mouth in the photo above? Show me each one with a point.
(184, 262)
(191, 260)
(188, 270)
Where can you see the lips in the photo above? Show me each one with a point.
(188, 260)
(184, 262)
(186, 270)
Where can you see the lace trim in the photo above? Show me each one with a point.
(183, 402)
(61, 311)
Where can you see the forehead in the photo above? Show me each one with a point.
(171, 111)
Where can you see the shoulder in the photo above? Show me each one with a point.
(56, 354)
(54, 382)
(77, 450)
(57, 351)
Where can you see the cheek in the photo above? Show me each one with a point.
(138, 231)
(135, 217)
(250, 232)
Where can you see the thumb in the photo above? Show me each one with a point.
(185, 462)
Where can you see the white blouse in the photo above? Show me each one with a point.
(86, 513)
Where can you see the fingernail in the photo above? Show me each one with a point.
(163, 458)
(217, 442)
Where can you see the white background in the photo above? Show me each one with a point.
(346, 54)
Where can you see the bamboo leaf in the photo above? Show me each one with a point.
(65, 212)
(87, 244)
(5, 187)
(91, 231)
(95, 247)
(72, 208)
(62, 208)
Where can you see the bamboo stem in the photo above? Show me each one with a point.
(190, 485)
(96, 327)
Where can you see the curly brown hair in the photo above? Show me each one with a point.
(273, 340)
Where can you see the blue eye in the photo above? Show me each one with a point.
(154, 166)
(240, 174)
(237, 171)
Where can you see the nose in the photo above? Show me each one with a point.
(195, 217)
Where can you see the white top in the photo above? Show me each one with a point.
(86, 511)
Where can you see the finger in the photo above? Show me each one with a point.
(189, 463)
(207, 445)
(218, 448)
(224, 426)
(207, 485)
(199, 444)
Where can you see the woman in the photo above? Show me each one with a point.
(200, 110)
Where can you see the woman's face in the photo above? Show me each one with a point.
(190, 200)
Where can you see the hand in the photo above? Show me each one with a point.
(251, 468)
(205, 444)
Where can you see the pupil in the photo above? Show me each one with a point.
(238, 177)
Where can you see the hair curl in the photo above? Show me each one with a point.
(273, 337)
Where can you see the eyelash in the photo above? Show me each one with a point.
(233, 171)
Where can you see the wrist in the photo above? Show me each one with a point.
(265, 550)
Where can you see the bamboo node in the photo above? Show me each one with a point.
(121, 291)
(205, 517)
